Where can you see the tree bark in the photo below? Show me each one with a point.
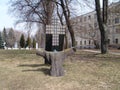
(66, 42)
(104, 41)
(45, 55)
(102, 21)
(57, 60)
(57, 64)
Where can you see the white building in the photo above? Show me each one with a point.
(87, 31)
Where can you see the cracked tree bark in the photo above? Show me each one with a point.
(57, 60)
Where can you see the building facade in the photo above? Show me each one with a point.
(87, 30)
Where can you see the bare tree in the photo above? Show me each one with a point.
(65, 11)
(34, 12)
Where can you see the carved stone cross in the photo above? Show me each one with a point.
(56, 30)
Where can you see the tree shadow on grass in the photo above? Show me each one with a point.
(46, 71)
(32, 65)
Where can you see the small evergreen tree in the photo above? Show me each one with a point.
(4, 34)
(34, 43)
(28, 42)
(22, 41)
(1, 42)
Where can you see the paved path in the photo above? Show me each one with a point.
(115, 53)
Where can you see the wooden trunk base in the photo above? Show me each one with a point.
(57, 64)
(56, 60)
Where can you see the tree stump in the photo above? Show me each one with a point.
(57, 59)
(57, 64)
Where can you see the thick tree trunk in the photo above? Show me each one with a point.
(57, 59)
(45, 55)
(66, 42)
(102, 21)
(57, 64)
(104, 41)
(47, 58)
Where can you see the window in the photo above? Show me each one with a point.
(89, 42)
(80, 42)
(108, 41)
(89, 17)
(117, 30)
(116, 41)
(85, 42)
(116, 20)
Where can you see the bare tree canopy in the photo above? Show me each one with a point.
(32, 11)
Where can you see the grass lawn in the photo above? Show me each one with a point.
(23, 70)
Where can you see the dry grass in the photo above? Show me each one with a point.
(23, 70)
